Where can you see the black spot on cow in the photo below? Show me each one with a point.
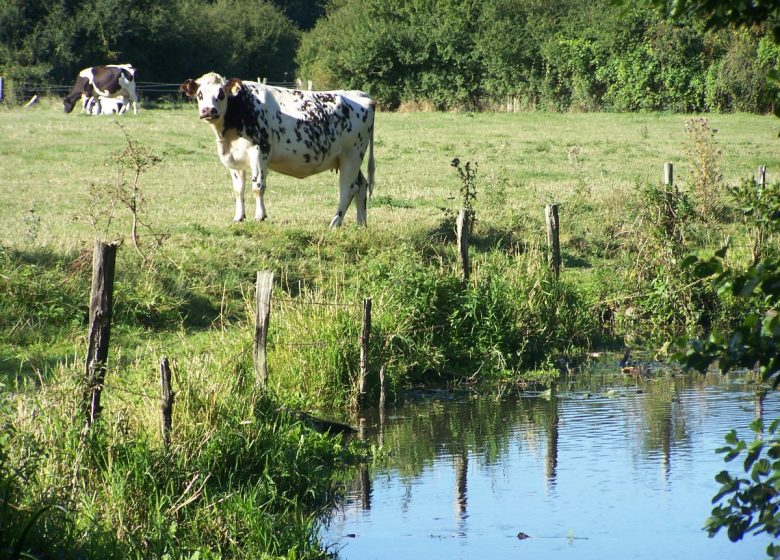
(250, 120)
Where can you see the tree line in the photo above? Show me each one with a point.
(468, 54)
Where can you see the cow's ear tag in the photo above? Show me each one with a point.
(233, 86)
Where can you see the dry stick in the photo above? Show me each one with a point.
(100, 311)
(265, 281)
(364, 340)
(166, 401)
(553, 238)
(463, 242)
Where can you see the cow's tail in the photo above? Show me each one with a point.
(371, 165)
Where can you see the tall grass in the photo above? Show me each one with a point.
(245, 477)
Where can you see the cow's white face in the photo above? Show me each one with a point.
(212, 101)
(211, 92)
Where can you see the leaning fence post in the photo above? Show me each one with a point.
(463, 242)
(166, 401)
(364, 340)
(553, 238)
(265, 281)
(100, 310)
(761, 176)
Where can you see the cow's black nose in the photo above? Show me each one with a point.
(208, 113)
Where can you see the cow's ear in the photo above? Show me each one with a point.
(190, 87)
(233, 86)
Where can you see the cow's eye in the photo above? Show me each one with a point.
(200, 95)
(221, 95)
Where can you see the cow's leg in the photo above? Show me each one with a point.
(258, 162)
(361, 198)
(349, 182)
(238, 176)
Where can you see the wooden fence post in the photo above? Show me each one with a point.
(365, 335)
(166, 401)
(101, 303)
(265, 282)
(553, 238)
(668, 173)
(463, 242)
(761, 176)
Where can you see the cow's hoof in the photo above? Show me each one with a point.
(238, 220)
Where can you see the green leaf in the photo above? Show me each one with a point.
(731, 437)
(754, 452)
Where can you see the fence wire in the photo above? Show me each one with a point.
(21, 91)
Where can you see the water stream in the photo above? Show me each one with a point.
(619, 468)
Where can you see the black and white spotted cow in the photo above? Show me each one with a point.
(99, 82)
(298, 133)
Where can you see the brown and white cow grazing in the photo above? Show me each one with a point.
(298, 133)
(114, 80)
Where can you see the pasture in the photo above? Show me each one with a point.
(49, 160)
(192, 300)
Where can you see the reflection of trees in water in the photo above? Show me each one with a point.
(476, 429)
(482, 430)
(663, 421)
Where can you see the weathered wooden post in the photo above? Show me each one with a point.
(310, 85)
(101, 303)
(166, 401)
(553, 238)
(761, 176)
(463, 242)
(265, 282)
(365, 335)
(668, 173)
(2, 89)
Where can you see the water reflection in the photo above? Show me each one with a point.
(597, 471)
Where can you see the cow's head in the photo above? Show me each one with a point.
(81, 88)
(211, 91)
(68, 104)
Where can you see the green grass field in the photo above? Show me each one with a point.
(243, 478)
(49, 159)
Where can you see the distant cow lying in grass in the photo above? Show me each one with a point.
(298, 133)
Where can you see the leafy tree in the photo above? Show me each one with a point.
(304, 13)
(719, 14)
(751, 505)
